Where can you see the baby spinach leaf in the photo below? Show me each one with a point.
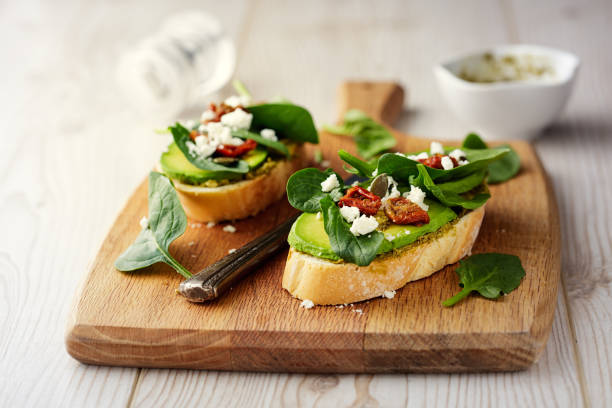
(288, 120)
(359, 250)
(473, 141)
(181, 137)
(500, 170)
(304, 189)
(489, 274)
(397, 166)
(447, 197)
(167, 222)
(478, 159)
(276, 146)
(465, 184)
(370, 136)
(360, 167)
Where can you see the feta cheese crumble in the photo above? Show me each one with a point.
(207, 115)
(447, 163)
(144, 223)
(307, 304)
(236, 100)
(237, 119)
(201, 148)
(221, 135)
(389, 294)
(350, 214)
(269, 134)
(392, 192)
(457, 154)
(363, 225)
(229, 228)
(436, 148)
(330, 183)
(211, 224)
(417, 196)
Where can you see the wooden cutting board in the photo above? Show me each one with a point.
(138, 319)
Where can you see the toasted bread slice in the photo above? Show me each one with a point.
(328, 283)
(241, 199)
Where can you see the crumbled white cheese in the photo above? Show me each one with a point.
(325, 163)
(307, 304)
(422, 156)
(401, 154)
(219, 135)
(457, 154)
(392, 191)
(364, 225)
(144, 222)
(202, 128)
(417, 196)
(237, 119)
(236, 100)
(269, 134)
(336, 194)
(319, 215)
(229, 228)
(447, 163)
(463, 162)
(413, 157)
(211, 224)
(330, 183)
(201, 147)
(231, 251)
(207, 115)
(189, 124)
(350, 214)
(375, 172)
(436, 148)
(389, 294)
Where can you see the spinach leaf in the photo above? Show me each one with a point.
(500, 170)
(288, 120)
(489, 274)
(167, 221)
(304, 189)
(359, 250)
(370, 136)
(448, 197)
(478, 159)
(181, 137)
(361, 167)
(465, 184)
(276, 146)
(473, 141)
(397, 166)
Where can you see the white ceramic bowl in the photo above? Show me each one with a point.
(509, 110)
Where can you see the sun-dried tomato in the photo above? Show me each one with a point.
(403, 211)
(220, 110)
(435, 161)
(367, 202)
(235, 151)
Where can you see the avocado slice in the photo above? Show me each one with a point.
(174, 164)
(308, 233)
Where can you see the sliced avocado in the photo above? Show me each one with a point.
(174, 163)
(308, 233)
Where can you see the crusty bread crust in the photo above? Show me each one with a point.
(328, 283)
(242, 199)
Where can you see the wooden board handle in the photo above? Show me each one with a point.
(382, 101)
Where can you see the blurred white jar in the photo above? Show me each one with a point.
(190, 58)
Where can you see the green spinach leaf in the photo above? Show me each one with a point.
(447, 197)
(181, 137)
(288, 120)
(167, 221)
(304, 189)
(489, 274)
(464, 184)
(500, 170)
(276, 146)
(360, 167)
(370, 136)
(359, 250)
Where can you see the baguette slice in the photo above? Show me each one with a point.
(242, 199)
(328, 283)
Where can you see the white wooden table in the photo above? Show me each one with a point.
(72, 152)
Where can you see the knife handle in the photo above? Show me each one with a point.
(218, 278)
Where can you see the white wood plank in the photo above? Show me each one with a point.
(576, 153)
(71, 153)
(322, 44)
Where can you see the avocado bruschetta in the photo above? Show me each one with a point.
(410, 216)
